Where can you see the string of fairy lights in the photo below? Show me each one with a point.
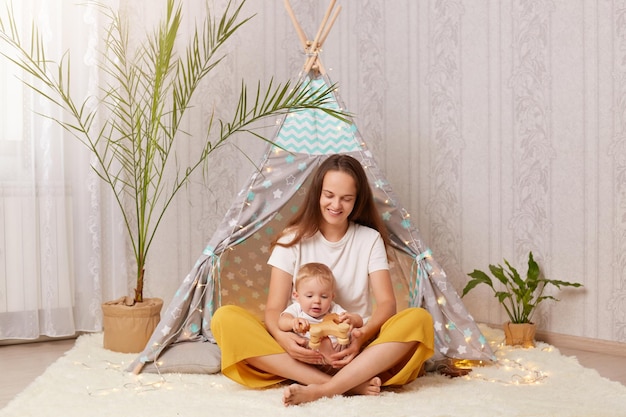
(425, 265)
(510, 369)
(520, 373)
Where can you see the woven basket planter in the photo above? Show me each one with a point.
(127, 328)
(520, 334)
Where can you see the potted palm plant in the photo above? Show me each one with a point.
(519, 296)
(133, 125)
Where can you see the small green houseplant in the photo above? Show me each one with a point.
(519, 296)
(133, 125)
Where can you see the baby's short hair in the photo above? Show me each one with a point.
(315, 270)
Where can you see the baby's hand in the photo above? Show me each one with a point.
(344, 318)
(354, 320)
(301, 325)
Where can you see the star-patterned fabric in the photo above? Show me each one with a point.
(232, 269)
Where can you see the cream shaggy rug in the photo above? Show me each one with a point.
(91, 381)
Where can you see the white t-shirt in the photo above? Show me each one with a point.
(359, 252)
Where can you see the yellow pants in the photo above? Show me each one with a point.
(241, 335)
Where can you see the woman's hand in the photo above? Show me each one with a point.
(295, 346)
(341, 359)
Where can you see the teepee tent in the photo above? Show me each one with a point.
(232, 268)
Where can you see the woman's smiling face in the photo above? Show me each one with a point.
(337, 198)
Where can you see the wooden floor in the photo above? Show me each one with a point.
(21, 364)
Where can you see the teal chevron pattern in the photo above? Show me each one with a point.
(317, 133)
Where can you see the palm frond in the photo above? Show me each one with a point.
(142, 103)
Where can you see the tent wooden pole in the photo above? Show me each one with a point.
(138, 368)
(314, 50)
(303, 40)
(332, 22)
(316, 43)
(309, 63)
(321, 68)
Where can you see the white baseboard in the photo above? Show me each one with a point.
(9, 342)
(605, 347)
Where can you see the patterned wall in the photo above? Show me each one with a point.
(500, 123)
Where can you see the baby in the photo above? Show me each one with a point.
(314, 296)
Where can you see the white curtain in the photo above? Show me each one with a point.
(61, 244)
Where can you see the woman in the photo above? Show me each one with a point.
(338, 224)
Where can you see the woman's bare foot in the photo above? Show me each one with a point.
(299, 394)
(371, 387)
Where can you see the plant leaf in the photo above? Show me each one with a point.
(479, 277)
(498, 272)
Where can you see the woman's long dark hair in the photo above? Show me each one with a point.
(305, 223)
